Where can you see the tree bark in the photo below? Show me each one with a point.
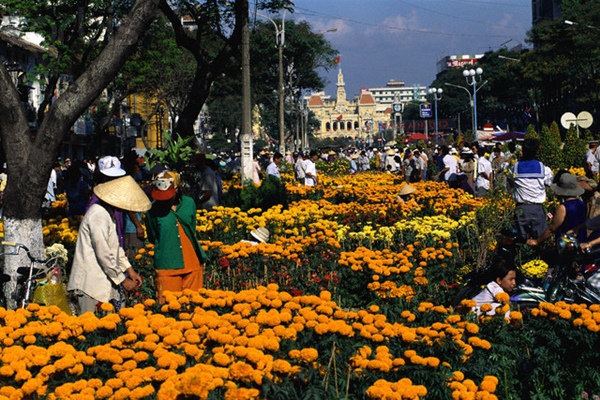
(30, 157)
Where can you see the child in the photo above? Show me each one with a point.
(502, 278)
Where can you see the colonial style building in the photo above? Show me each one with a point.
(367, 115)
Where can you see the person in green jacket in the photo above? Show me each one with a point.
(171, 226)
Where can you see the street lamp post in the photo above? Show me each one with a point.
(471, 76)
(280, 40)
(437, 95)
(470, 96)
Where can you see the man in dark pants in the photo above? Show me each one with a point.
(530, 178)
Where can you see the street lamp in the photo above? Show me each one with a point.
(469, 93)
(435, 92)
(575, 23)
(471, 76)
(280, 40)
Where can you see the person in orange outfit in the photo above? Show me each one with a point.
(171, 226)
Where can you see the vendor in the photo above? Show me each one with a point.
(406, 193)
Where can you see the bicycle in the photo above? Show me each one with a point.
(27, 277)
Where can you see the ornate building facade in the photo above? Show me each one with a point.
(367, 115)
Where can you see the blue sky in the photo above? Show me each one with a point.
(379, 40)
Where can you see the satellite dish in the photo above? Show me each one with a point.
(567, 119)
(585, 119)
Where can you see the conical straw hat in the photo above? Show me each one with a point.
(407, 189)
(123, 193)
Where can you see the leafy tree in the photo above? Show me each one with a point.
(502, 95)
(530, 133)
(574, 149)
(551, 144)
(214, 41)
(565, 60)
(93, 60)
(159, 69)
(303, 53)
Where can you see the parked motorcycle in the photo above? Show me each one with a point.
(506, 249)
(562, 283)
(575, 278)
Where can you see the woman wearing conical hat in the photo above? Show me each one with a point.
(100, 263)
(406, 193)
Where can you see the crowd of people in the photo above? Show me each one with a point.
(115, 207)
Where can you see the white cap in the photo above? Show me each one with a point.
(110, 166)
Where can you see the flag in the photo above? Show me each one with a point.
(339, 118)
(337, 60)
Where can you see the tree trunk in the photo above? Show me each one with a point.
(200, 89)
(208, 68)
(30, 157)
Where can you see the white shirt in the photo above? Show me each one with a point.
(300, 167)
(310, 169)
(389, 160)
(255, 171)
(449, 162)
(483, 166)
(531, 190)
(273, 170)
(487, 296)
(592, 158)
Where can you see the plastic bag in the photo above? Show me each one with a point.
(51, 292)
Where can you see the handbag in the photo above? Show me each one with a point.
(51, 292)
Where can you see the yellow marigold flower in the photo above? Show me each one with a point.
(104, 392)
(472, 328)
(221, 359)
(410, 353)
(502, 297)
(488, 385)
(433, 361)
(485, 308)
(458, 376)
(408, 336)
(309, 354)
(516, 315)
(281, 366)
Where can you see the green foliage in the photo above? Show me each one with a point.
(550, 153)
(574, 149)
(530, 133)
(270, 193)
(176, 155)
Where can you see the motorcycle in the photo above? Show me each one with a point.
(561, 283)
(527, 292)
(575, 278)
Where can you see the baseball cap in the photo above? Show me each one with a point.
(164, 186)
(110, 166)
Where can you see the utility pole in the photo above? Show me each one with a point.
(246, 138)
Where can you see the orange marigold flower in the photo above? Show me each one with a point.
(502, 297)
(516, 315)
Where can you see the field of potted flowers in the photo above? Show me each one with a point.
(350, 299)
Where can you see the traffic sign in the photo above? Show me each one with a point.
(426, 110)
